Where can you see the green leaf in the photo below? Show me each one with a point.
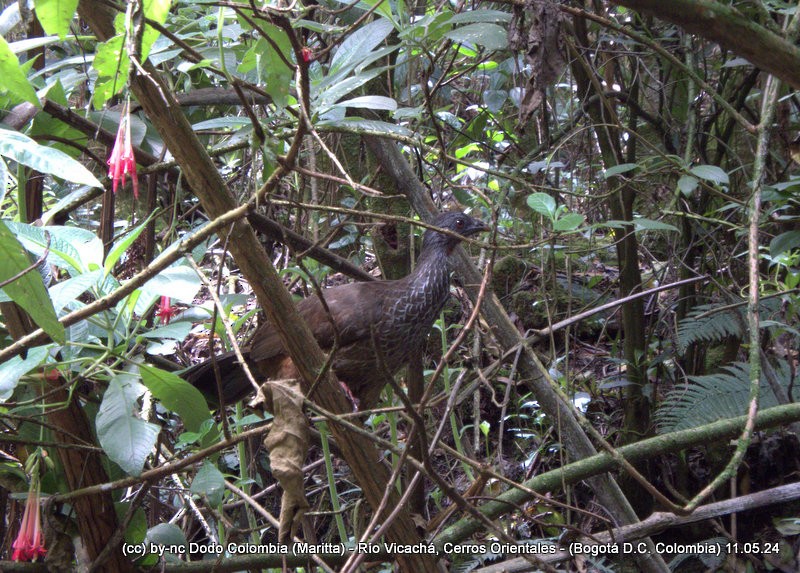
(619, 169)
(273, 72)
(177, 330)
(384, 8)
(119, 248)
(12, 370)
(180, 283)
(490, 36)
(156, 10)
(126, 439)
(687, 184)
(222, 123)
(26, 151)
(56, 15)
(787, 526)
(72, 248)
(543, 204)
(473, 16)
(710, 173)
(113, 65)
(177, 395)
(358, 45)
(568, 222)
(14, 80)
(642, 224)
(784, 242)
(27, 290)
(369, 102)
(27, 44)
(69, 290)
(169, 536)
(361, 125)
(210, 482)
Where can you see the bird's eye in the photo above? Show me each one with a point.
(459, 223)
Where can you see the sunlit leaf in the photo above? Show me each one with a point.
(27, 288)
(24, 150)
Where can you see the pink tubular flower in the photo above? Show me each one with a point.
(29, 546)
(165, 311)
(122, 162)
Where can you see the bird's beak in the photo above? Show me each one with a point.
(478, 227)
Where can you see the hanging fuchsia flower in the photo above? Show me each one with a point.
(122, 162)
(165, 310)
(29, 546)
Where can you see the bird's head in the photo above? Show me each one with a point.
(456, 222)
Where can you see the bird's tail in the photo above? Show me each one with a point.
(234, 382)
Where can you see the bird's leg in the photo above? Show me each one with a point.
(353, 400)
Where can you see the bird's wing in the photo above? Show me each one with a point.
(355, 309)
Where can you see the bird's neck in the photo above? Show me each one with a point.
(429, 283)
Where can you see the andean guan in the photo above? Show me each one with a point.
(392, 316)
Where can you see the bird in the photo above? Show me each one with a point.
(372, 327)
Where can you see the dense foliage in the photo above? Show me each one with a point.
(642, 274)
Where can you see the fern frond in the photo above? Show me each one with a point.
(717, 326)
(711, 328)
(715, 397)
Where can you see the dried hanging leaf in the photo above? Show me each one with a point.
(287, 443)
(536, 30)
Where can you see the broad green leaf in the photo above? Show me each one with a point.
(27, 290)
(568, 222)
(14, 80)
(15, 368)
(475, 16)
(113, 66)
(170, 537)
(361, 125)
(543, 204)
(619, 169)
(222, 123)
(642, 224)
(272, 71)
(28, 44)
(784, 242)
(56, 15)
(687, 184)
(358, 45)
(494, 99)
(210, 482)
(710, 173)
(180, 283)
(490, 36)
(384, 7)
(26, 151)
(72, 248)
(328, 94)
(156, 10)
(119, 248)
(370, 102)
(177, 330)
(126, 439)
(177, 395)
(69, 290)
